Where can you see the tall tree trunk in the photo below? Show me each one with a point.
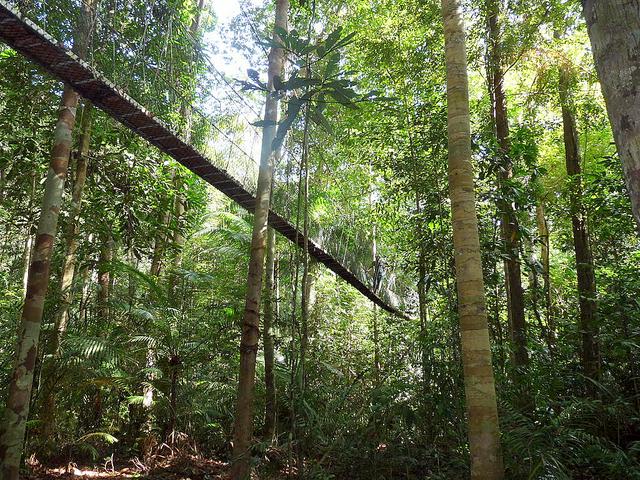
(584, 261)
(26, 260)
(28, 242)
(306, 286)
(423, 289)
(510, 228)
(72, 230)
(269, 379)
(376, 331)
(174, 364)
(104, 276)
(159, 244)
(243, 424)
(614, 30)
(484, 434)
(17, 408)
(179, 207)
(543, 234)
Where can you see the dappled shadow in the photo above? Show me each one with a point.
(179, 467)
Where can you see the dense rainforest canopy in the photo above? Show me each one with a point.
(473, 168)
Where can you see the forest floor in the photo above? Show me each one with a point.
(181, 467)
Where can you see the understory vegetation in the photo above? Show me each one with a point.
(148, 299)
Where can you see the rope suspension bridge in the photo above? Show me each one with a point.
(137, 73)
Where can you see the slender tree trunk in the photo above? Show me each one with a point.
(269, 379)
(104, 276)
(180, 204)
(510, 228)
(72, 230)
(160, 241)
(179, 208)
(17, 408)
(243, 425)
(423, 289)
(28, 242)
(306, 287)
(484, 434)
(614, 29)
(543, 234)
(174, 364)
(584, 260)
(376, 331)
(26, 260)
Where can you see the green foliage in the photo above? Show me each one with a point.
(367, 79)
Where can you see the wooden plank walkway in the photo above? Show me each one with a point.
(37, 45)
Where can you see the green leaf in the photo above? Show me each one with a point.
(320, 120)
(103, 436)
(263, 123)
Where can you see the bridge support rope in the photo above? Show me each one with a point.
(32, 42)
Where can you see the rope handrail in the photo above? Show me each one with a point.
(112, 48)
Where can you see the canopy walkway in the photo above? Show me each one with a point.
(113, 76)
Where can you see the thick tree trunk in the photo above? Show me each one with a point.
(614, 29)
(269, 379)
(71, 233)
(484, 434)
(510, 228)
(584, 260)
(243, 425)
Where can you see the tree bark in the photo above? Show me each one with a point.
(28, 242)
(510, 228)
(484, 435)
(72, 230)
(269, 379)
(543, 234)
(243, 424)
(104, 276)
(179, 208)
(21, 383)
(614, 30)
(584, 260)
(180, 204)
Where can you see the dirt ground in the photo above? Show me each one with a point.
(181, 467)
